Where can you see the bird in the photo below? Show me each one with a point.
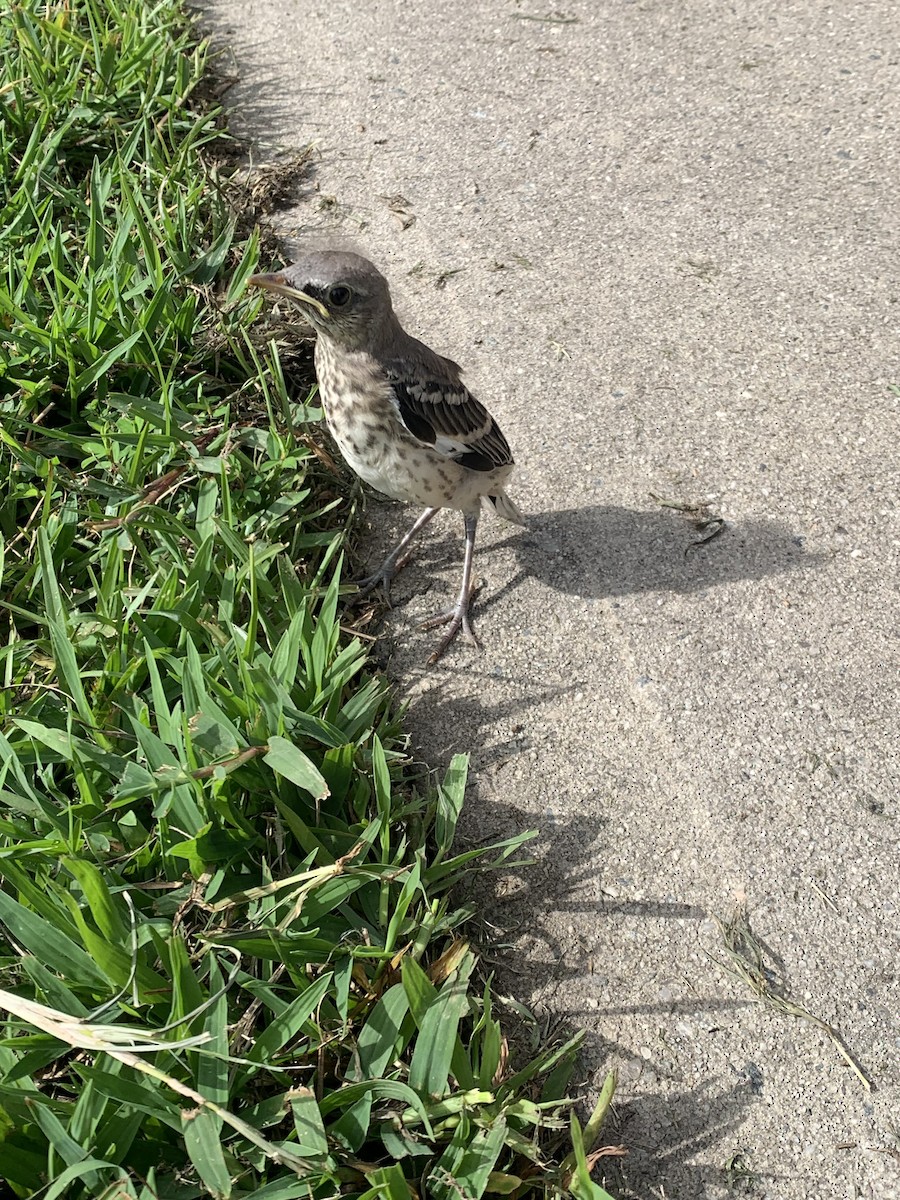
(399, 412)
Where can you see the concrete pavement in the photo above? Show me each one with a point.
(662, 239)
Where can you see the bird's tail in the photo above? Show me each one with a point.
(505, 508)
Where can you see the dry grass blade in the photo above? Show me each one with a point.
(746, 962)
(448, 962)
(307, 880)
(90, 1035)
(108, 1039)
(707, 523)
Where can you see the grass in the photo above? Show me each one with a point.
(232, 961)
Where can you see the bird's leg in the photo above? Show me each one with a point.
(395, 561)
(458, 617)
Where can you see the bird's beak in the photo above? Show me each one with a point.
(278, 283)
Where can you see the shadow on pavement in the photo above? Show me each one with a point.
(664, 1130)
(563, 879)
(601, 550)
(598, 552)
(664, 1133)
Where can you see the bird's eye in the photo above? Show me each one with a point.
(339, 296)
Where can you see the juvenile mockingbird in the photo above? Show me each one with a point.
(399, 412)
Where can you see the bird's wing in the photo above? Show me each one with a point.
(444, 414)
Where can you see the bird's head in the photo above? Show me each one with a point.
(342, 295)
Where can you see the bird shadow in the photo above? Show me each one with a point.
(603, 551)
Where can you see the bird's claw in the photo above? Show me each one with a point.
(365, 587)
(457, 620)
(382, 578)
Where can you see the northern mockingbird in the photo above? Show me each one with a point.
(399, 412)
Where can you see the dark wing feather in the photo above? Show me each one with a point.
(438, 409)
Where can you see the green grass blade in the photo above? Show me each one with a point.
(433, 1053)
(60, 633)
(50, 945)
(288, 760)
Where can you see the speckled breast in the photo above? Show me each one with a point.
(362, 418)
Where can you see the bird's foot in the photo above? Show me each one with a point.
(457, 621)
(382, 578)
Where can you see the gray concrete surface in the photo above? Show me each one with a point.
(674, 227)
